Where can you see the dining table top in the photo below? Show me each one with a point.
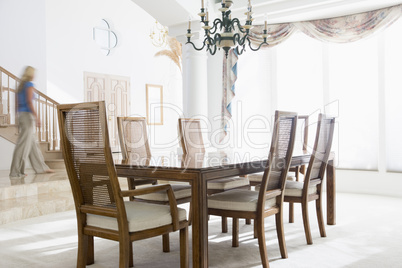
(206, 161)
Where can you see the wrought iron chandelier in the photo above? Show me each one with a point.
(232, 34)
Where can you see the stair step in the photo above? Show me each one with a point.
(34, 195)
(25, 207)
(53, 155)
(55, 163)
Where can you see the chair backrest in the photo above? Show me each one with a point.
(302, 122)
(322, 147)
(280, 154)
(133, 137)
(88, 158)
(190, 136)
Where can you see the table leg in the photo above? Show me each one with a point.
(200, 223)
(331, 193)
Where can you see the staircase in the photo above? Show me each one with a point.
(47, 133)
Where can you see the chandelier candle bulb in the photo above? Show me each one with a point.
(202, 3)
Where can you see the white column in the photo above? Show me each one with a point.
(195, 82)
(215, 90)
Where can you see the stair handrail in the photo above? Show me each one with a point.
(46, 109)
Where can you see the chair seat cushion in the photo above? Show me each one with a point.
(140, 216)
(295, 188)
(180, 191)
(257, 177)
(238, 199)
(228, 183)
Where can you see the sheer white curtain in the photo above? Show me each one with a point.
(393, 96)
(353, 82)
(362, 80)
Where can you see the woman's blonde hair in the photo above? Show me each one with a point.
(27, 76)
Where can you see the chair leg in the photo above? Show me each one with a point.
(184, 261)
(166, 243)
(82, 251)
(281, 234)
(320, 218)
(224, 224)
(190, 214)
(259, 226)
(124, 248)
(131, 256)
(306, 222)
(131, 186)
(291, 213)
(255, 230)
(235, 233)
(248, 221)
(90, 252)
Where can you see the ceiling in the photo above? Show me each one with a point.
(175, 13)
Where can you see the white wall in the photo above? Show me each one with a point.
(71, 51)
(23, 39)
(56, 38)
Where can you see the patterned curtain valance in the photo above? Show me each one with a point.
(337, 30)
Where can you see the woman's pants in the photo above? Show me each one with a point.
(27, 146)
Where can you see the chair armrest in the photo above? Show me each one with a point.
(146, 190)
(157, 188)
(272, 193)
(103, 211)
(314, 182)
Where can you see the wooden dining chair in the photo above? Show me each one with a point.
(256, 178)
(192, 143)
(268, 200)
(134, 145)
(311, 188)
(100, 208)
(303, 122)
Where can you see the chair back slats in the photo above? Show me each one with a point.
(281, 151)
(133, 137)
(190, 136)
(85, 145)
(322, 147)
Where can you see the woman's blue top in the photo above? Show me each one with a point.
(22, 98)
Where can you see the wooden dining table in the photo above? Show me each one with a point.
(199, 169)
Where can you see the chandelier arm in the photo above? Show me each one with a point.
(255, 49)
(237, 21)
(203, 45)
(209, 41)
(212, 52)
(241, 51)
(215, 25)
(240, 40)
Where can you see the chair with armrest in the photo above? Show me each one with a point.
(311, 188)
(268, 201)
(134, 145)
(100, 208)
(192, 143)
